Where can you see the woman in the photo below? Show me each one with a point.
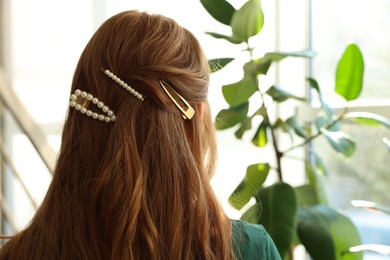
(137, 154)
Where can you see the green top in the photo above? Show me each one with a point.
(252, 242)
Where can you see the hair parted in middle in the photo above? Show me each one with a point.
(139, 187)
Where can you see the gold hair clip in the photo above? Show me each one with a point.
(186, 110)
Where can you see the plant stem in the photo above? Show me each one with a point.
(277, 152)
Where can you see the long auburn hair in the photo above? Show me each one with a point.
(137, 188)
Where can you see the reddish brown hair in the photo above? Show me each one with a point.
(137, 188)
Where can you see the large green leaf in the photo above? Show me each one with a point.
(245, 126)
(263, 64)
(239, 92)
(314, 234)
(298, 129)
(255, 176)
(227, 118)
(314, 85)
(253, 214)
(349, 73)
(340, 141)
(247, 123)
(248, 20)
(279, 209)
(323, 121)
(232, 39)
(220, 10)
(250, 69)
(327, 234)
(218, 64)
(306, 195)
(280, 124)
(260, 138)
(368, 118)
(279, 95)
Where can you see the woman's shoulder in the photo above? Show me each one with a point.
(251, 241)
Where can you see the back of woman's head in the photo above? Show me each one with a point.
(142, 49)
(138, 187)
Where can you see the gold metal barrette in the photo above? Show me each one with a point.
(186, 110)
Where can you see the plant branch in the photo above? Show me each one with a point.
(311, 138)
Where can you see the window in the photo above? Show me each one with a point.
(335, 24)
(365, 175)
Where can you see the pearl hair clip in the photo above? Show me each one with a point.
(123, 84)
(80, 100)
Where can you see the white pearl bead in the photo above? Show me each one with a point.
(110, 115)
(123, 84)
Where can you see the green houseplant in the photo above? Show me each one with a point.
(292, 215)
